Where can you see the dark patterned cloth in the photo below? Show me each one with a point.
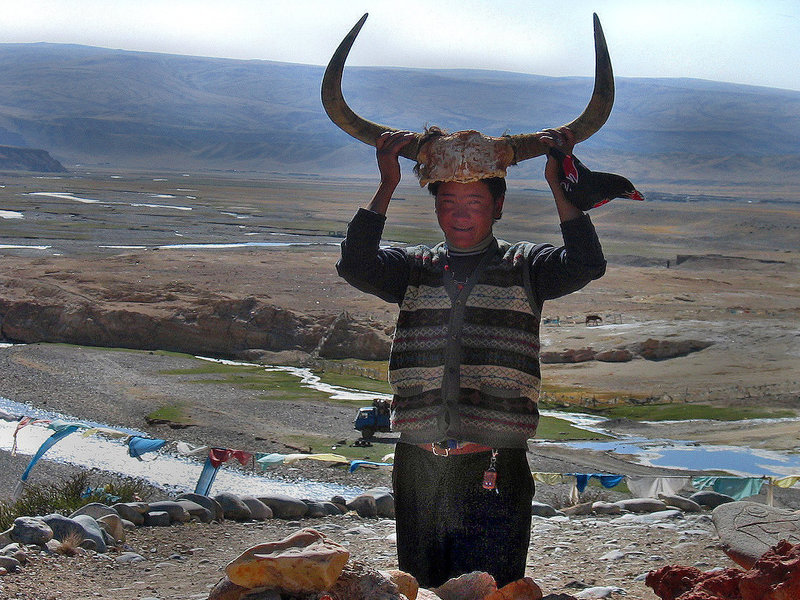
(448, 525)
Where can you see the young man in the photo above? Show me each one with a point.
(465, 363)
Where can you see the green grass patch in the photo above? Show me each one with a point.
(685, 412)
(172, 413)
(326, 445)
(555, 429)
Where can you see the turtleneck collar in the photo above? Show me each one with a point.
(476, 249)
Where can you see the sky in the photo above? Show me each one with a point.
(754, 42)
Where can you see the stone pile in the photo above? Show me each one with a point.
(99, 527)
(309, 565)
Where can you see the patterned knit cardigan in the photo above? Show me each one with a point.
(465, 358)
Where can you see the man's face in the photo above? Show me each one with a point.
(466, 212)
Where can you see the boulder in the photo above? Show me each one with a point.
(113, 526)
(747, 530)
(571, 355)
(615, 355)
(332, 509)
(652, 349)
(521, 589)
(364, 505)
(684, 504)
(258, 510)
(302, 563)
(30, 530)
(233, 507)
(774, 576)
(579, 510)
(225, 589)
(176, 512)
(201, 513)
(641, 505)
(538, 509)
(157, 518)
(710, 499)
(131, 511)
(10, 564)
(285, 507)
(205, 502)
(315, 509)
(93, 531)
(64, 527)
(469, 586)
(406, 583)
(359, 580)
(606, 508)
(384, 501)
(94, 510)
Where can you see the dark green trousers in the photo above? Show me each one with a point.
(448, 525)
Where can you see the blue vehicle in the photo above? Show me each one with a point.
(373, 418)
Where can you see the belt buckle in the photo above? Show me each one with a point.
(441, 446)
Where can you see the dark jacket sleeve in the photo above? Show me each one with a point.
(556, 272)
(367, 267)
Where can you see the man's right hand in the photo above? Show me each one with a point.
(387, 148)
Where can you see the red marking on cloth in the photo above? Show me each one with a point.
(635, 195)
(606, 201)
(570, 171)
(217, 456)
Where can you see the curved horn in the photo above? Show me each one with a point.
(337, 109)
(594, 115)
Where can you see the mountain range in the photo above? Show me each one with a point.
(97, 106)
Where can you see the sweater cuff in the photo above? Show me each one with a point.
(577, 225)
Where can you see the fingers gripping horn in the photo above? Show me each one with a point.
(340, 113)
(593, 116)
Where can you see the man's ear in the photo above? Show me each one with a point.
(498, 207)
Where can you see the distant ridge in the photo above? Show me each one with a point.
(96, 106)
(28, 159)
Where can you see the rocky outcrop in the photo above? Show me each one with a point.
(348, 337)
(13, 158)
(650, 349)
(207, 324)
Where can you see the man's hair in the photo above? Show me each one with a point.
(496, 185)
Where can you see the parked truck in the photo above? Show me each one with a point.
(371, 419)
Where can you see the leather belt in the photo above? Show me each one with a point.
(442, 448)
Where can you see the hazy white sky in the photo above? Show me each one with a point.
(744, 41)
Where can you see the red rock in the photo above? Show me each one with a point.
(687, 583)
(775, 576)
(469, 586)
(521, 589)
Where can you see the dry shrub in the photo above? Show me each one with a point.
(71, 544)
